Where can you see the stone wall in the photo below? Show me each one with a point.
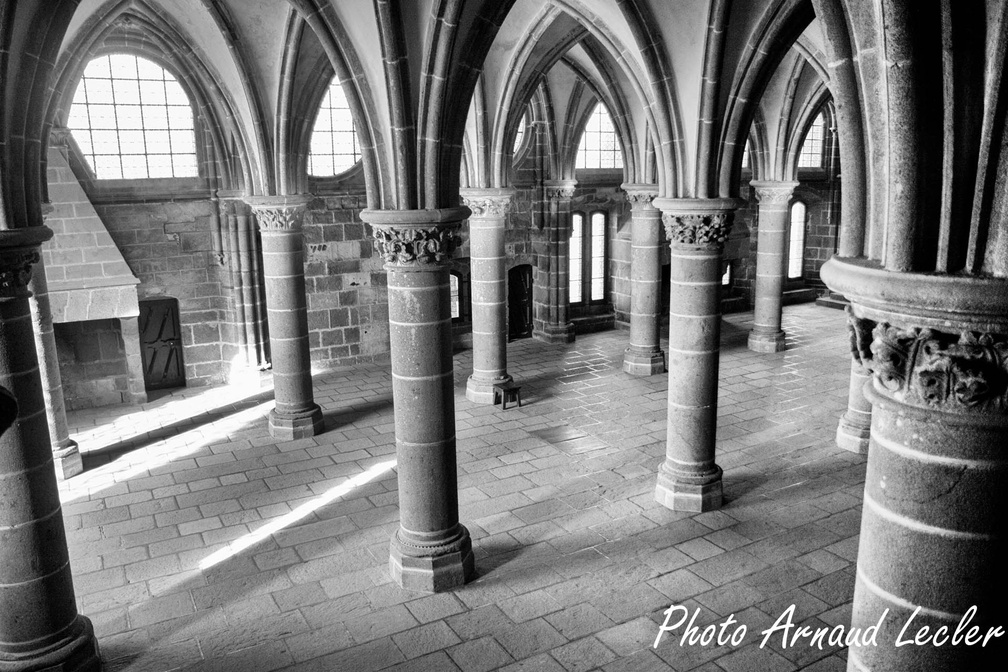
(93, 365)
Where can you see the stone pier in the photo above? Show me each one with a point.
(551, 291)
(280, 219)
(431, 551)
(644, 356)
(689, 479)
(771, 258)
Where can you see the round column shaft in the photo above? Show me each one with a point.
(430, 551)
(280, 219)
(689, 480)
(644, 356)
(771, 255)
(489, 290)
(40, 628)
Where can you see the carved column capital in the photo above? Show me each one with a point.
(773, 192)
(19, 251)
(416, 239)
(488, 203)
(560, 190)
(698, 222)
(279, 214)
(641, 196)
(59, 136)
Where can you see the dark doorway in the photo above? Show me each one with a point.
(520, 302)
(161, 342)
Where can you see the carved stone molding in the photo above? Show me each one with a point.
(702, 230)
(281, 214)
(958, 373)
(416, 246)
(773, 192)
(562, 190)
(488, 203)
(19, 251)
(59, 136)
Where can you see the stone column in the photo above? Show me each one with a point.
(855, 424)
(644, 357)
(771, 259)
(280, 218)
(489, 290)
(40, 628)
(551, 317)
(430, 551)
(66, 454)
(689, 480)
(933, 529)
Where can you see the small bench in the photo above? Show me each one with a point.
(507, 392)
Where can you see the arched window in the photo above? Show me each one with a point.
(812, 146)
(599, 146)
(520, 135)
(746, 154)
(334, 144)
(587, 258)
(796, 241)
(132, 119)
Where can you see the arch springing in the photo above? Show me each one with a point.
(335, 147)
(132, 119)
(599, 147)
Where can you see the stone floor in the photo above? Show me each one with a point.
(200, 543)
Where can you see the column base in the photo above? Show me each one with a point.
(432, 568)
(643, 363)
(67, 460)
(79, 654)
(760, 341)
(289, 426)
(481, 390)
(555, 333)
(852, 437)
(694, 494)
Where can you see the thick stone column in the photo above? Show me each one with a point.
(771, 258)
(933, 529)
(854, 427)
(489, 290)
(280, 218)
(644, 356)
(430, 551)
(689, 480)
(40, 628)
(66, 454)
(551, 304)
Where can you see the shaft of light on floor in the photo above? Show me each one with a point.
(298, 514)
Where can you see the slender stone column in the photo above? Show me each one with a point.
(854, 427)
(66, 454)
(489, 290)
(551, 317)
(430, 551)
(771, 257)
(933, 529)
(644, 356)
(280, 218)
(689, 480)
(40, 628)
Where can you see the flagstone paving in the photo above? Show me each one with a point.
(200, 543)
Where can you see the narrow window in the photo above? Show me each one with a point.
(597, 270)
(812, 147)
(520, 135)
(132, 119)
(456, 305)
(599, 146)
(335, 147)
(574, 266)
(796, 241)
(726, 278)
(746, 154)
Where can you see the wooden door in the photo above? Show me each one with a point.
(161, 344)
(520, 302)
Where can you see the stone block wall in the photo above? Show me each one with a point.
(93, 364)
(168, 246)
(345, 283)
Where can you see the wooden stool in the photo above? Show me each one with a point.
(507, 390)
